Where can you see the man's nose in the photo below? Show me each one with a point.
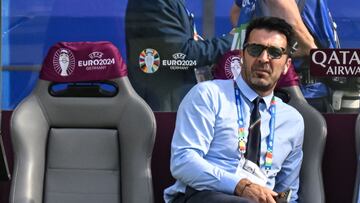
(264, 56)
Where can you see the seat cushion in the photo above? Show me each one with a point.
(82, 166)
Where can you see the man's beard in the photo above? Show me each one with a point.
(261, 86)
(262, 82)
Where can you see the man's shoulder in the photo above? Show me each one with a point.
(215, 85)
(209, 94)
(211, 88)
(287, 110)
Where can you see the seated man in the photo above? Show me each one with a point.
(234, 141)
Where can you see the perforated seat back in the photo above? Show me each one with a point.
(83, 149)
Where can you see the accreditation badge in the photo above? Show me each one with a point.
(251, 172)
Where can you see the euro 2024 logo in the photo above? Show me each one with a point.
(232, 67)
(64, 62)
(149, 60)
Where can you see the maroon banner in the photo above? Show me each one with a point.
(335, 62)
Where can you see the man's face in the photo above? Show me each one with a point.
(262, 72)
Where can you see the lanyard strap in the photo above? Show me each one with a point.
(243, 134)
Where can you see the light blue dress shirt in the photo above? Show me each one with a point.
(204, 149)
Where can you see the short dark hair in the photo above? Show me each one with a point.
(273, 24)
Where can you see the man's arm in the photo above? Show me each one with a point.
(288, 177)
(248, 189)
(235, 14)
(288, 10)
(193, 134)
(208, 51)
(167, 27)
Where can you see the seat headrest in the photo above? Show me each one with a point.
(230, 64)
(83, 61)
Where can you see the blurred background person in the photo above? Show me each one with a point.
(163, 50)
(314, 28)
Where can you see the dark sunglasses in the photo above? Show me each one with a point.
(255, 50)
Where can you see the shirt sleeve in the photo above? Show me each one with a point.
(208, 51)
(167, 27)
(192, 139)
(205, 52)
(178, 35)
(288, 177)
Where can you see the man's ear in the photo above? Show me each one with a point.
(241, 54)
(286, 66)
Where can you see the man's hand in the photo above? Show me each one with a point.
(246, 188)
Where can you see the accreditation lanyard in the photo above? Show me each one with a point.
(242, 134)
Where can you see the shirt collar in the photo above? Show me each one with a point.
(249, 93)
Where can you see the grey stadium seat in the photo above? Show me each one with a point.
(95, 147)
(311, 181)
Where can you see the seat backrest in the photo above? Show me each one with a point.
(311, 182)
(356, 198)
(93, 144)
